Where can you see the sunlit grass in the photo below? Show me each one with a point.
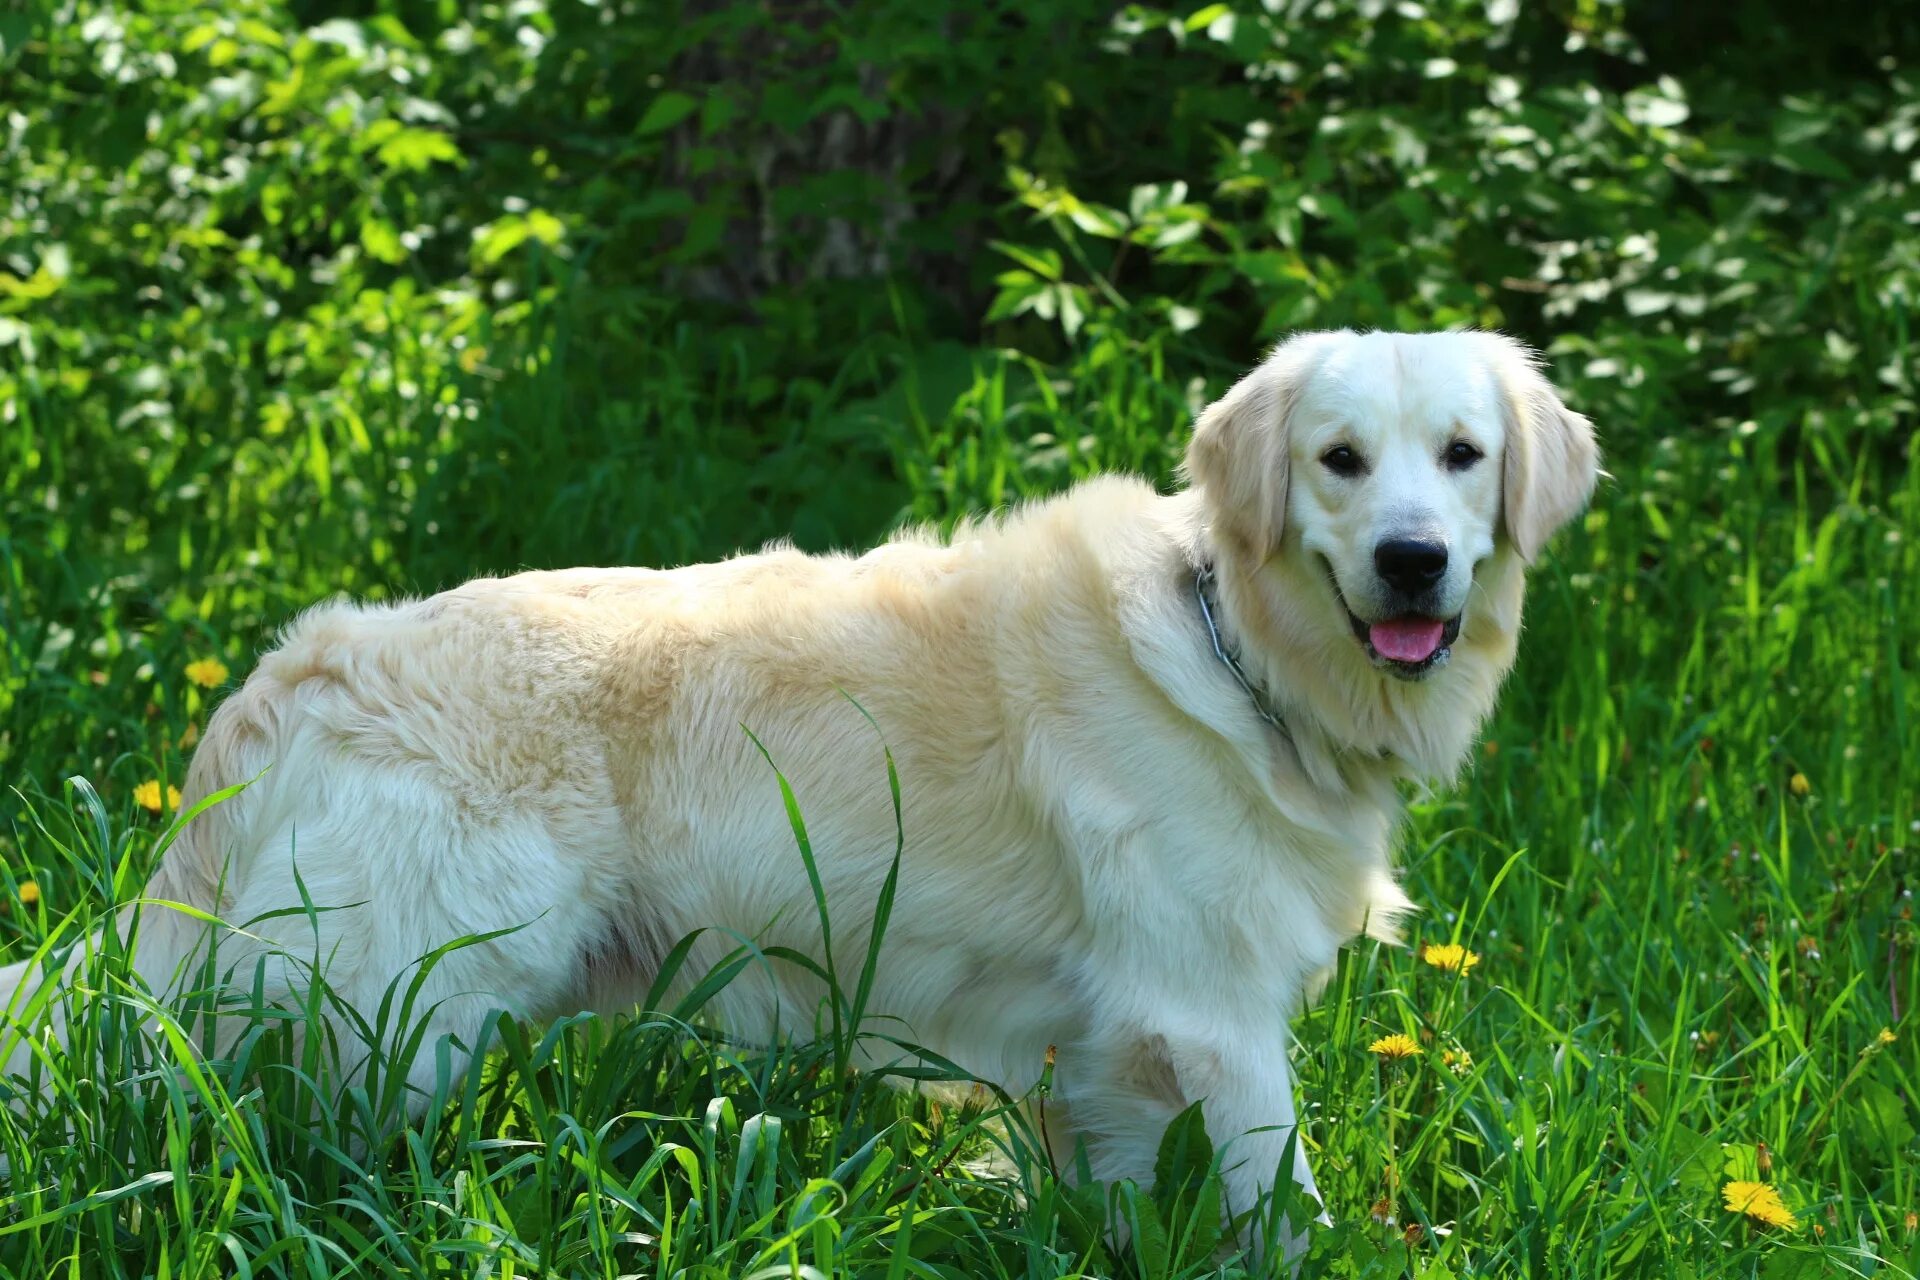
(1680, 861)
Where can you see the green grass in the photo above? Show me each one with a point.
(1682, 957)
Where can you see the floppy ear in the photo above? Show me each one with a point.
(1551, 463)
(1238, 454)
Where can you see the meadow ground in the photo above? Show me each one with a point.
(1680, 858)
(1680, 866)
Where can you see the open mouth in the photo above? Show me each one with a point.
(1409, 645)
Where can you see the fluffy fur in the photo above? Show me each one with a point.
(1107, 849)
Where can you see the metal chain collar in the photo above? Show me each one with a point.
(1203, 587)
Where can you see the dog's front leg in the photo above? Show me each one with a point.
(1252, 1115)
(1145, 1069)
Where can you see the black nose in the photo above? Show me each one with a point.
(1410, 565)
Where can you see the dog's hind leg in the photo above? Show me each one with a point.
(419, 916)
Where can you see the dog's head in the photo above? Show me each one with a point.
(1388, 470)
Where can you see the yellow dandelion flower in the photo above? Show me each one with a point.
(1394, 1047)
(1886, 1036)
(147, 796)
(1450, 956)
(1799, 785)
(207, 672)
(29, 893)
(1760, 1202)
(1459, 1059)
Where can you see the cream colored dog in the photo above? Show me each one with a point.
(1148, 750)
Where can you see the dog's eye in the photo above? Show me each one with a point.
(1461, 455)
(1341, 460)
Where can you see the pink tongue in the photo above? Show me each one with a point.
(1406, 639)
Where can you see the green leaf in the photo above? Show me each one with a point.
(1019, 293)
(1697, 1161)
(1098, 220)
(1083, 1216)
(342, 33)
(1151, 1249)
(544, 227)
(1184, 1190)
(1206, 17)
(1881, 1118)
(718, 110)
(1044, 263)
(497, 239)
(1812, 159)
(1172, 233)
(1155, 197)
(666, 111)
(417, 150)
(1185, 1156)
(382, 241)
(1794, 1264)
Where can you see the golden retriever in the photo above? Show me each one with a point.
(1148, 748)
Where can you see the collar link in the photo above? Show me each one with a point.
(1204, 590)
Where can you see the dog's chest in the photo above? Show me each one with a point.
(1213, 874)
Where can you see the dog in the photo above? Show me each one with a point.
(1148, 749)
